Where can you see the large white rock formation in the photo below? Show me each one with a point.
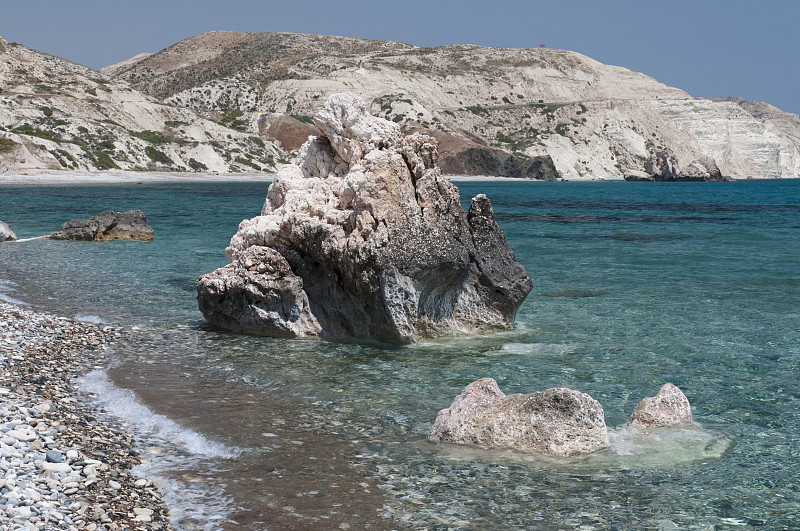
(363, 237)
(558, 422)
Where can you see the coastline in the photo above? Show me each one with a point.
(63, 463)
(58, 177)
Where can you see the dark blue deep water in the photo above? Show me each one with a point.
(635, 285)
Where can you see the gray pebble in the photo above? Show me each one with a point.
(54, 456)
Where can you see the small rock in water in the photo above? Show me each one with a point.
(669, 407)
(559, 422)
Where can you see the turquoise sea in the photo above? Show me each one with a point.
(635, 285)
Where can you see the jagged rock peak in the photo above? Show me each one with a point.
(365, 238)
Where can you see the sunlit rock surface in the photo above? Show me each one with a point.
(557, 422)
(107, 225)
(6, 233)
(366, 239)
(669, 407)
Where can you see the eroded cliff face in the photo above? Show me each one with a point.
(363, 237)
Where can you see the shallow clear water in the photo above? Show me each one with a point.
(635, 285)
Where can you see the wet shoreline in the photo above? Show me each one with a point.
(64, 464)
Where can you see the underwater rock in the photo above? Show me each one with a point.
(669, 407)
(372, 241)
(107, 225)
(6, 233)
(557, 422)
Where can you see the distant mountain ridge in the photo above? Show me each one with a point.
(539, 113)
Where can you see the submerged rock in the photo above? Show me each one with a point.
(363, 237)
(107, 225)
(6, 233)
(558, 422)
(668, 408)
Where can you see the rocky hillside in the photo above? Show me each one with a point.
(522, 112)
(228, 102)
(55, 114)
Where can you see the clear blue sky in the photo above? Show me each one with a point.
(706, 47)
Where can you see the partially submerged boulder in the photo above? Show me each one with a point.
(663, 166)
(704, 169)
(669, 407)
(107, 225)
(6, 233)
(557, 422)
(363, 237)
(636, 175)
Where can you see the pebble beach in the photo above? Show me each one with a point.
(63, 463)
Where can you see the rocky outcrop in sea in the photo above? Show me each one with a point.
(558, 422)
(363, 237)
(6, 233)
(107, 225)
(663, 166)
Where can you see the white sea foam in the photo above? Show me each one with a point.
(201, 506)
(6, 287)
(89, 318)
(196, 505)
(122, 403)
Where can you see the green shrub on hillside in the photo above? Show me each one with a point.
(27, 129)
(157, 156)
(103, 161)
(477, 109)
(154, 137)
(6, 144)
(303, 118)
(197, 165)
